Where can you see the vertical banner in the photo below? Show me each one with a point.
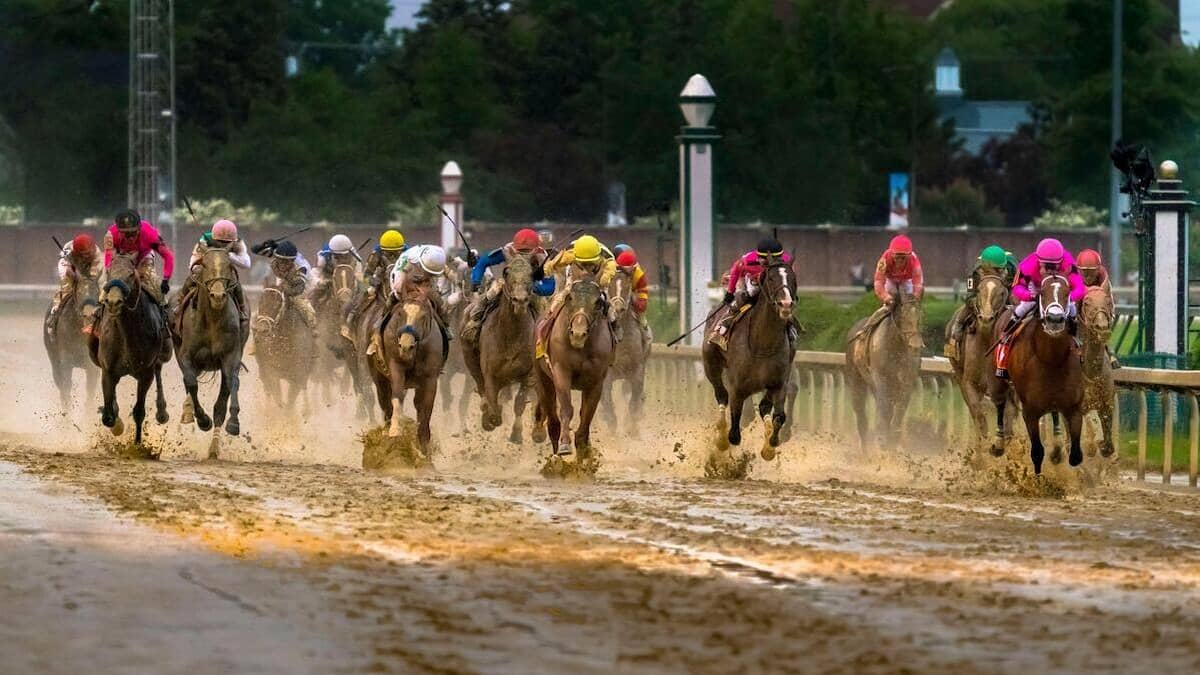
(898, 200)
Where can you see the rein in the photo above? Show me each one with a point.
(126, 292)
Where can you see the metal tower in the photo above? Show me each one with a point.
(152, 112)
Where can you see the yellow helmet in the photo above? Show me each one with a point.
(391, 240)
(587, 249)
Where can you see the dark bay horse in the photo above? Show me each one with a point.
(210, 339)
(357, 360)
(283, 347)
(68, 347)
(502, 356)
(1095, 328)
(133, 340)
(331, 307)
(885, 361)
(579, 352)
(984, 393)
(411, 359)
(629, 363)
(1043, 364)
(758, 358)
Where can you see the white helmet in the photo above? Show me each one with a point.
(340, 243)
(432, 259)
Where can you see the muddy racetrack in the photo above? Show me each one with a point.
(286, 557)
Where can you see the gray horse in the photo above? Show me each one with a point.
(885, 361)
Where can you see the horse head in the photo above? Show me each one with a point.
(620, 294)
(990, 299)
(344, 282)
(122, 283)
(87, 296)
(585, 304)
(216, 276)
(270, 310)
(779, 285)
(413, 323)
(907, 315)
(517, 282)
(1097, 315)
(1053, 297)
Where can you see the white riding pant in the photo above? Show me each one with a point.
(892, 287)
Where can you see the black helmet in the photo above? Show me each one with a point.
(285, 249)
(769, 246)
(129, 219)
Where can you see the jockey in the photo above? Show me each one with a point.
(79, 258)
(421, 268)
(898, 270)
(290, 270)
(130, 234)
(1050, 257)
(380, 262)
(525, 244)
(339, 251)
(1095, 275)
(223, 235)
(585, 258)
(742, 287)
(992, 261)
(627, 262)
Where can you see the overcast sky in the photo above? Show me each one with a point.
(403, 11)
(1189, 21)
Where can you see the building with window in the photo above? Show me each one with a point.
(975, 122)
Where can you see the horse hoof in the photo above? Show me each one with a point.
(233, 428)
(767, 453)
(539, 435)
(117, 427)
(564, 450)
(1056, 455)
(393, 433)
(1075, 458)
(187, 417)
(735, 437)
(162, 417)
(515, 437)
(204, 423)
(997, 449)
(1107, 450)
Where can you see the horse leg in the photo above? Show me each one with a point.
(714, 370)
(765, 406)
(974, 400)
(491, 403)
(1037, 453)
(1108, 445)
(883, 411)
(62, 380)
(589, 402)
(109, 412)
(519, 403)
(608, 405)
(234, 427)
(92, 377)
(637, 389)
(858, 401)
(789, 404)
(397, 402)
(779, 409)
(190, 385)
(160, 400)
(139, 407)
(221, 404)
(383, 394)
(545, 411)
(566, 412)
(736, 405)
(1002, 427)
(1075, 428)
(424, 399)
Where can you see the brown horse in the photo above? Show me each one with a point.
(629, 364)
(68, 346)
(134, 340)
(331, 306)
(283, 347)
(411, 359)
(211, 339)
(758, 358)
(1095, 327)
(974, 370)
(885, 361)
(502, 356)
(1046, 374)
(579, 352)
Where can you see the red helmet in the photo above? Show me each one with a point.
(1088, 259)
(627, 259)
(900, 244)
(525, 240)
(83, 245)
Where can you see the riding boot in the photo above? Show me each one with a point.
(364, 301)
(951, 348)
(1113, 361)
(720, 332)
(470, 329)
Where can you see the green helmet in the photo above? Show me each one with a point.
(994, 256)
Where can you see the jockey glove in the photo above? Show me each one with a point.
(728, 298)
(166, 286)
(262, 248)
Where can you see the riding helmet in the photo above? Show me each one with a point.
(285, 250)
(83, 246)
(432, 259)
(391, 240)
(128, 220)
(525, 240)
(587, 249)
(340, 243)
(621, 248)
(224, 230)
(627, 259)
(1050, 250)
(900, 244)
(994, 255)
(1087, 259)
(769, 246)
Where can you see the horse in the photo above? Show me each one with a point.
(283, 347)
(579, 352)
(1095, 327)
(758, 358)
(210, 338)
(331, 308)
(68, 346)
(502, 355)
(460, 282)
(134, 341)
(629, 364)
(411, 358)
(1045, 369)
(884, 360)
(974, 371)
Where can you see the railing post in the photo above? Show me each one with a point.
(1141, 453)
(843, 403)
(812, 400)
(1115, 432)
(1168, 434)
(827, 401)
(1194, 439)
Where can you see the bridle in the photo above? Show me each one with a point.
(785, 287)
(978, 299)
(270, 322)
(1056, 284)
(593, 315)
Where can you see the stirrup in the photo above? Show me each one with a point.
(719, 340)
(375, 346)
(345, 332)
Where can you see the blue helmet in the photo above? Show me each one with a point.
(621, 248)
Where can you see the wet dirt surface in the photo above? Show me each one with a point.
(823, 561)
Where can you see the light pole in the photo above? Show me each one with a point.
(451, 202)
(1114, 199)
(697, 233)
(1166, 324)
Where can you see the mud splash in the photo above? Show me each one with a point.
(399, 454)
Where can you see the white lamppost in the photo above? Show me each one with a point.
(1167, 327)
(697, 233)
(451, 202)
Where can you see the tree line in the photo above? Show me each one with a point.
(544, 103)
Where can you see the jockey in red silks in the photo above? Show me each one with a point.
(897, 271)
(130, 234)
(745, 277)
(1050, 257)
(1095, 275)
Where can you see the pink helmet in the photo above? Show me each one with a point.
(224, 230)
(1050, 251)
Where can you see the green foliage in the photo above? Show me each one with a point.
(1070, 216)
(209, 211)
(960, 203)
(11, 215)
(418, 212)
